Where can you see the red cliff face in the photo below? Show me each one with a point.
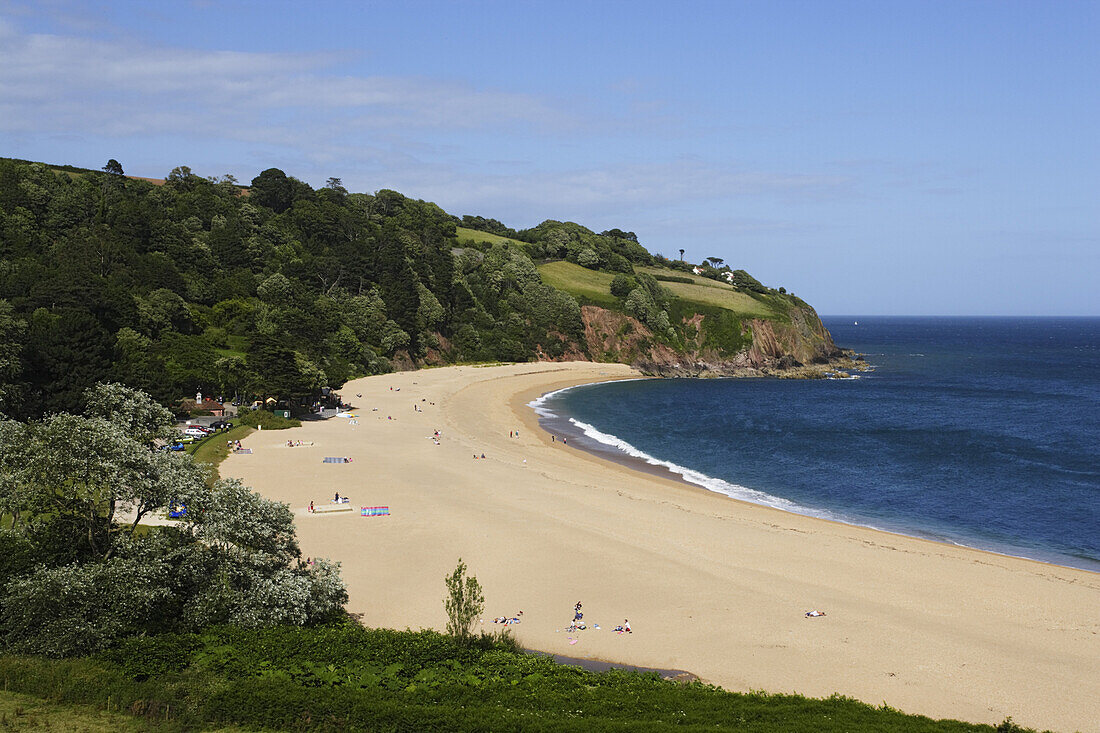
(777, 347)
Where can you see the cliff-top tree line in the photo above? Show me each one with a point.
(276, 289)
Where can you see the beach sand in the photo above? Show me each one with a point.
(710, 585)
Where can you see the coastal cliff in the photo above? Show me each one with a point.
(798, 348)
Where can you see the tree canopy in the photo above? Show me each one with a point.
(77, 576)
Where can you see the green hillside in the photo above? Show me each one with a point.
(588, 285)
(190, 285)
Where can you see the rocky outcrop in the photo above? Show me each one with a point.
(796, 346)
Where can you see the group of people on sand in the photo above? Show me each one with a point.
(508, 621)
(578, 624)
(295, 443)
(233, 445)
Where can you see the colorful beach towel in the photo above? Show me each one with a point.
(375, 511)
(335, 459)
(243, 450)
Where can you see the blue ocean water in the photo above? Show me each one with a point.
(978, 431)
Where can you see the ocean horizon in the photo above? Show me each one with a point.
(974, 431)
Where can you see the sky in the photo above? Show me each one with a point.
(875, 158)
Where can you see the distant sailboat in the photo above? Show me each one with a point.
(857, 323)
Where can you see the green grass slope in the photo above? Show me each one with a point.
(462, 234)
(709, 292)
(349, 678)
(584, 284)
(595, 287)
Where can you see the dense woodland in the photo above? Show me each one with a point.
(274, 288)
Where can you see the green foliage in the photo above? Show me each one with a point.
(196, 286)
(266, 420)
(76, 579)
(621, 285)
(464, 602)
(343, 677)
(742, 279)
(673, 278)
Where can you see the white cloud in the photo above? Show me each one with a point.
(57, 83)
(428, 138)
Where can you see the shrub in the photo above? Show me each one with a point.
(621, 285)
(267, 420)
(464, 602)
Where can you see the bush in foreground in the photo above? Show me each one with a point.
(344, 677)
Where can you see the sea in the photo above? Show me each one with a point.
(981, 432)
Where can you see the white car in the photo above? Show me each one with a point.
(195, 432)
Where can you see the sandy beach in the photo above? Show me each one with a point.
(710, 585)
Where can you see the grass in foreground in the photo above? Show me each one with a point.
(27, 713)
(345, 677)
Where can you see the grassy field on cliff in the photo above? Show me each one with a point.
(710, 292)
(587, 285)
(462, 234)
(595, 286)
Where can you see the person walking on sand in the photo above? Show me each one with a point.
(311, 507)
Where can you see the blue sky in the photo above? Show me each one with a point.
(872, 157)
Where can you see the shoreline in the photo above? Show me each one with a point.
(713, 586)
(606, 452)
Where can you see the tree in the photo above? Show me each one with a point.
(141, 417)
(588, 258)
(337, 185)
(74, 580)
(621, 285)
(113, 167)
(11, 347)
(681, 255)
(73, 475)
(464, 602)
(715, 262)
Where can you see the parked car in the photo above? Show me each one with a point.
(177, 446)
(221, 425)
(195, 431)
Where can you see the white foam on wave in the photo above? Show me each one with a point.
(539, 403)
(717, 485)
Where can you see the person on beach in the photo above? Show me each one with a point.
(336, 499)
(311, 507)
(814, 614)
